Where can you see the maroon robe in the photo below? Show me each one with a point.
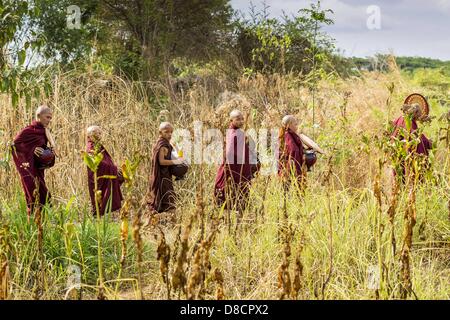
(25, 143)
(291, 156)
(424, 144)
(422, 147)
(111, 199)
(235, 173)
(161, 193)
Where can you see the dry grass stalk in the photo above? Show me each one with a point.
(284, 278)
(405, 256)
(137, 225)
(391, 213)
(4, 279)
(326, 280)
(38, 219)
(163, 256)
(218, 278)
(124, 214)
(297, 284)
(128, 170)
(377, 192)
(4, 264)
(179, 274)
(201, 266)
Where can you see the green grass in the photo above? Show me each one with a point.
(68, 241)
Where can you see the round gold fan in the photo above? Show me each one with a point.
(419, 99)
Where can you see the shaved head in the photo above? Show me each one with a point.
(44, 115)
(287, 120)
(165, 130)
(94, 132)
(41, 110)
(91, 129)
(235, 114)
(165, 126)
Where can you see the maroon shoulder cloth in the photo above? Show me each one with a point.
(111, 198)
(161, 193)
(291, 154)
(31, 176)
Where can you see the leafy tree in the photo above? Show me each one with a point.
(18, 43)
(63, 43)
(293, 44)
(159, 31)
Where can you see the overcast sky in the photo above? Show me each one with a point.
(407, 27)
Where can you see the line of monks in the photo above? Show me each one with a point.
(34, 151)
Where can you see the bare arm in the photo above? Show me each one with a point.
(161, 157)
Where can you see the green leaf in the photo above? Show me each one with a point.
(69, 203)
(107, 177)
(21, 56)
(14, 99)
(87, 158)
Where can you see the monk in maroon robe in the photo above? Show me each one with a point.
(291, 155)
(28, 146)
(162, 194)
(111, 195)
(400, 131)
(234, 176)
(424, 145)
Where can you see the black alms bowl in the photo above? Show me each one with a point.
(179, 170)
(46, 159)
(310, 158)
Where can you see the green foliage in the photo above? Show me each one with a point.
(70, 239)
(17, 49)
(292, 44)
(92, 160)
(270, 55)
(138, 38)
(149, 34)
(410, 65)
(129, 170)
(413, 63)
(61, 42)
(436, 79)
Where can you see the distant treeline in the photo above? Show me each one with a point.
(410, 64)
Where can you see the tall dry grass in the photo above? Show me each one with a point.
(342, 226)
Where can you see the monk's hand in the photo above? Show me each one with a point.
(178, 161)
(38, 151)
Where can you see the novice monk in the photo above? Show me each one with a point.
(238, 168)
(413, 111)
(161, 193)
(291, 155)
(28, 147)
(111, 196)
